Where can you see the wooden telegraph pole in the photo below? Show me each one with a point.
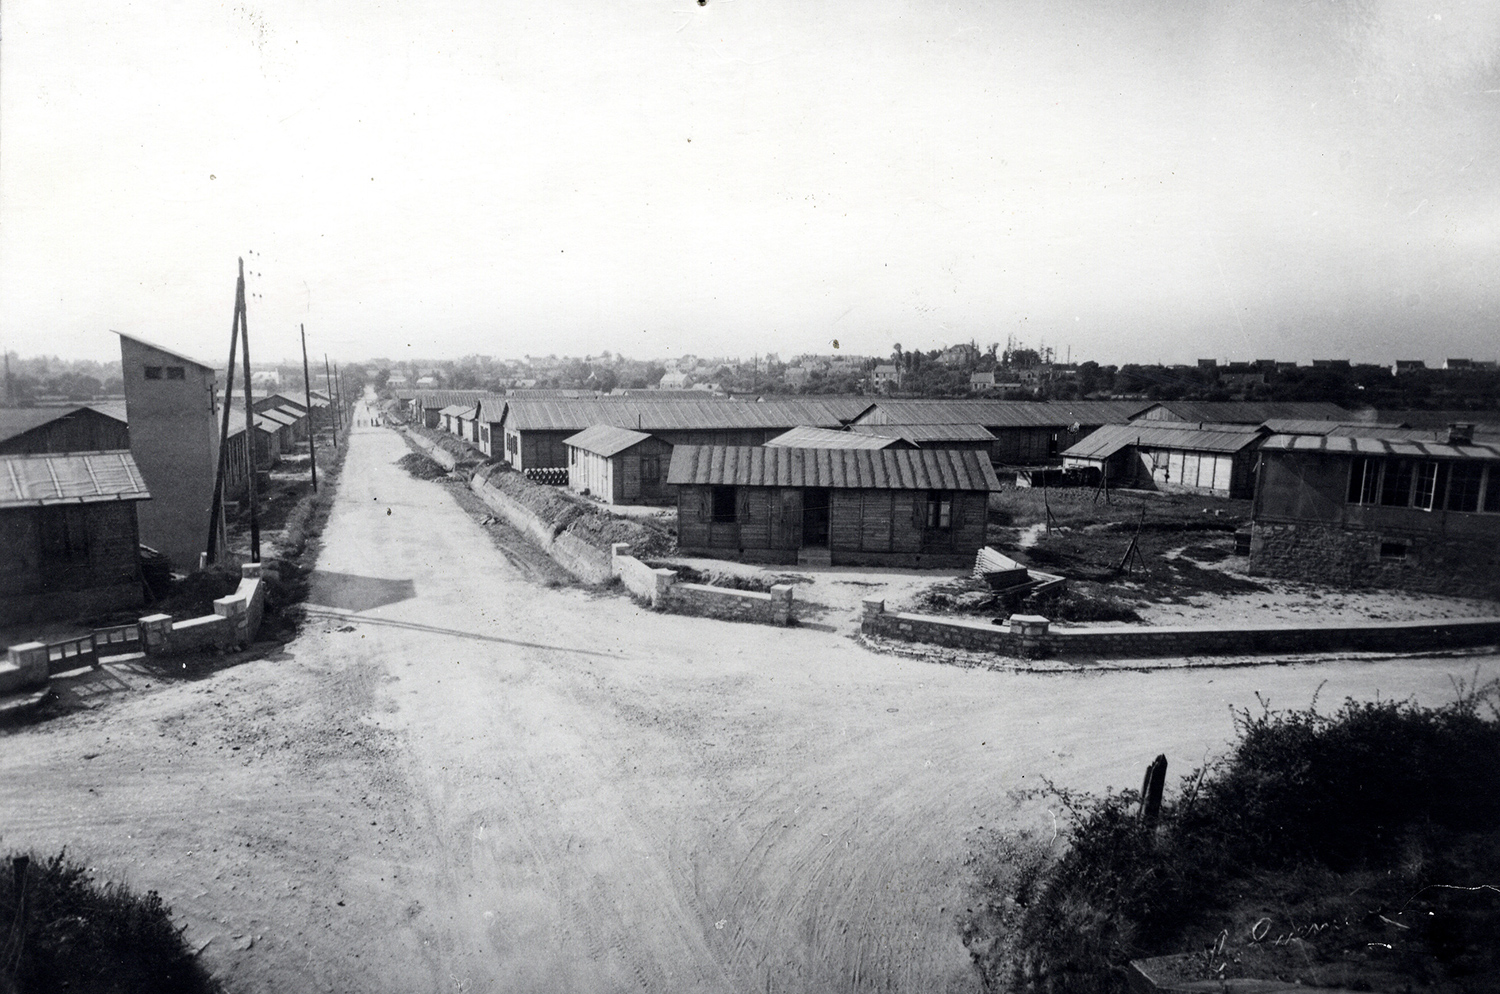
(249, 425)
(215, 516)
(312, 435)
(338, 389)
(328, 382)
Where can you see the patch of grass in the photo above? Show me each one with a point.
(1357, 849)
(61, 931)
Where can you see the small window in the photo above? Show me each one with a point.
(153, 372)
(1393, 550)
(572, 456)
(1364, 480)
(1396, 488)
(176, 373)
(724, 505)
(650, 469)
(1464, 481)
(1492, 490)
(939, 510)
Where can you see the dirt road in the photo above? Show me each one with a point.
(460, 780)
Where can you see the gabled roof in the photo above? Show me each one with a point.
(928, 433)
(171, 352)
(70, 478)
(605, 440)
(19, 420)
(1350, 446)
(455, 409)
(1217, 438)
(878, 469)
(1000, 413)
(1248, 412)
(829, 438)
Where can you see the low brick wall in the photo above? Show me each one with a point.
(235, 622)
(660, 587)
(1028, 637)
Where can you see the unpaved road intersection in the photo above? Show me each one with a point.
(459, 780)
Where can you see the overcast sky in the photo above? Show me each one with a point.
(1138, 181)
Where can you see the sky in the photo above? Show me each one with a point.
(1121, 181)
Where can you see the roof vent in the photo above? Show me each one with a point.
(1460, 434)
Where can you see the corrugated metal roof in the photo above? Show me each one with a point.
(438, 399)
(1363, 446)
(279, 416)
(667, 415)
(1110, 439)
(605, 440)
(1311, 426)
(928, 433)
(830, 438)
(1001, 413)
(877, 469)
(1247, 412)
(70, 478)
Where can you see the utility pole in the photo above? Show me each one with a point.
(312, 435)
(215, 516)
(249, 427)
(338, 389)
(328, 382)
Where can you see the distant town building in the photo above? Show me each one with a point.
(1407, 366)
(886, 374)
(982, 381)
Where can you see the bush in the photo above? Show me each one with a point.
(76, 935)
(1311, 818)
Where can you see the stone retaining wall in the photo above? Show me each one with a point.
(661, 589)
(436, 452)
(573, 554)
(1031, 637)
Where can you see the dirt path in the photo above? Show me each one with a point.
(460, 780)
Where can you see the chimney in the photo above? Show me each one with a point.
(1460, 434)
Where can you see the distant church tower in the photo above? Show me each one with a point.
(171, 405)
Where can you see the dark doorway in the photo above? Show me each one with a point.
(815, 517)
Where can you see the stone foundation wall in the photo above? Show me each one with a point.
(1318, 553)
(1028, 637)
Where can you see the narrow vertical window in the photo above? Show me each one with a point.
(723, 505)
(1464, 482)
(1492, 489)
(1395, 490)
(939, 510)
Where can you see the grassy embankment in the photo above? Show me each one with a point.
(1359, 850)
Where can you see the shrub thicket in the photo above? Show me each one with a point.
(1324, 818)
(63, 932)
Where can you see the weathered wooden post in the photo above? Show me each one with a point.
(1151, 788)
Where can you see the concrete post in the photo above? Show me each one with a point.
(664, 580)
(232, 608)
(874, 607)
(250, 571)
(154, 630)
(30, 661)
(781, 604)
(1031, 631)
